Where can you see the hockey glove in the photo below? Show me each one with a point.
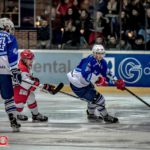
(101, 81)
(120, 84)
(16, 75)
(34, 79)
(49, 88)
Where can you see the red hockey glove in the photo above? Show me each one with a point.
(48, 87)
(36, 83)
(101, 81)
(34, 79)
(120, 84)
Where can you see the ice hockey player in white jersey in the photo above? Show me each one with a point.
(93, 70)
(9, 69)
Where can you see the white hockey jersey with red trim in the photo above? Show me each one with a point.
(21, 92)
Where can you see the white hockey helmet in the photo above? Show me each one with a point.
(98, 48)
(7, 25)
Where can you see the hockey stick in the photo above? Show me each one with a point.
(131, 92)
(70, 95)
(137, 97)
(56, 90)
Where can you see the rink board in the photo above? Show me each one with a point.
(131, 66)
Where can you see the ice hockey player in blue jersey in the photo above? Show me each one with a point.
(8, 69)
(90, 71)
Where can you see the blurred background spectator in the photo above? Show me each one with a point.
(43, 35)
(10, 9)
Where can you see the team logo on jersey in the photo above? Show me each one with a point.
(130, 70)
(15, 51)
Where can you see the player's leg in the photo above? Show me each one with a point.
(100, 109)
(91, 112)
(20, 107)
(20, 97)
(96, 102)
(6, 89)
(32, 105)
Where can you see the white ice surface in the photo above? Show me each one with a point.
(69, 129)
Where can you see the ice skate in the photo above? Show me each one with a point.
(93, 117)
(110, 119)
(22, 117)
(14, 124)
(39, 118)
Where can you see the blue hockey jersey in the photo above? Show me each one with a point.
(88, 70)
(8, 52)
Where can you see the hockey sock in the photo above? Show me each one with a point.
(10, 107)
(32, 105)
(91, 107)
(19, 107)
(100, 109)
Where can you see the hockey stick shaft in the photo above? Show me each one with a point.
(69, 94)
(54, 91)
(39, 87)
(72, 95)
(57, 89)
(129, 91)
(137, 97)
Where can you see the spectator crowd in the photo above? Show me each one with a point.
(117, 24)
(78, 24)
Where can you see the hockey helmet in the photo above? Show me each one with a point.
(7, 24)
(27, 54)
(98, 48)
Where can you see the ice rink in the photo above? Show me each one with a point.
(69, 129)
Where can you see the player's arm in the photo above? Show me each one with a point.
(87, 73)
(102, 79)
(12, 52)
(13, 58)
(119, 83)
(31, 82)
(107, 76)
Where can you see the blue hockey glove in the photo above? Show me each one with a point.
(16, 74)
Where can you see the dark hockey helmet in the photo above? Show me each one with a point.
(27, 54)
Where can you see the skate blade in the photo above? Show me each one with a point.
(37, 121)
(15, 129)
(112, 122)
(95, 119)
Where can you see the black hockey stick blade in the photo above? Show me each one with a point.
(58, 88)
